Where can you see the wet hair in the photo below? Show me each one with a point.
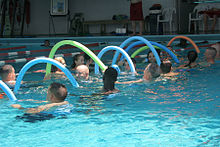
(54, 68)
(183, 40)
(133, 60)
(48, 41)
(86, 57)
(154, 70)
(192, 56)
(109, 78)
(158, 52)
(75, 58)
(5, 70)
(212, 51)
(165, 67)
(59, 91)
(59, 59)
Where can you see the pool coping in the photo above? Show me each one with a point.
(84, 39)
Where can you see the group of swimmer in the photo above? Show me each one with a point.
(57, 92)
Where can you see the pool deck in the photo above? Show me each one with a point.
(111, 39)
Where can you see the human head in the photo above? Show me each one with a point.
(78, 59)
(192, 56)
(210, 54)
(87, 59)
(56, 93)
(7, 73)
(46, 43)
(82, 71)
(217, 47)
(165, 67)
(183, 42)
(151, 71)
(150, 56)
(109, 79)
(127, 67)
(59, 59)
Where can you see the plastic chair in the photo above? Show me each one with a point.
(167, 17)
(195, 17)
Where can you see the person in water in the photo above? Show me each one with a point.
(210, 55)
(109, 79)
(56, 95)
(217, 47)
(151, 72)
(7, 73)
(78, 59)
(191, 56)
(55, 69)
(82, 72)
(166, 69)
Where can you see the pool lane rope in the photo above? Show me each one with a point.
(186, 38)
(142, 40)
(42, 50)
(43, 60)
(78, 45)
(7, 91)
(120, 50)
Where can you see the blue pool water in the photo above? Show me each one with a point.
(180, 112)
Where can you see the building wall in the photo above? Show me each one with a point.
(92, 10)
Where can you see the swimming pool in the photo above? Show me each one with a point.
(182, 112)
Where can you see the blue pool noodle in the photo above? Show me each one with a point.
(166, 50)
(8, 91)
(143, 41)
(156, 44)
(44, 60)
(108, 48)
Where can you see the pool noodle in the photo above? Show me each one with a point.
(155, 44)
(143, 41)
(119, 50)
(186, 38)
(78, 45)
(141, 50)
(43, 60)
(8, 91)
(166, 50)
